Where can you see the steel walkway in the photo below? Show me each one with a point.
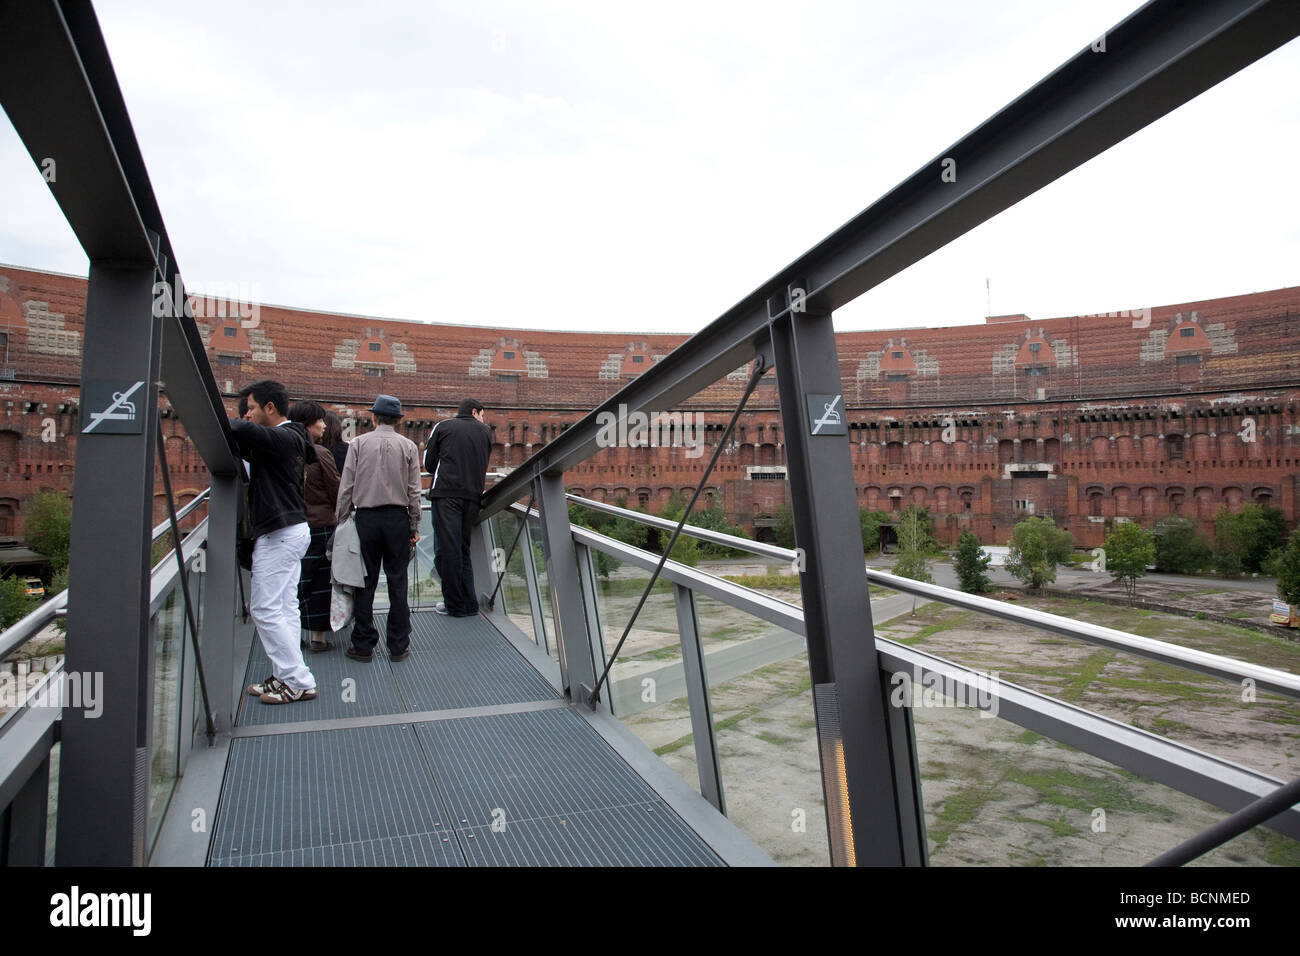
(463, 754)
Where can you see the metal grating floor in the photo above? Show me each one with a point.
(327, 791)
(450, 653)
(371, 693)
(500, 787)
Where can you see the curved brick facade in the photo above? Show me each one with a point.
(1089, 418)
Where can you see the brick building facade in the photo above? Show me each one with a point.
(1088, 419)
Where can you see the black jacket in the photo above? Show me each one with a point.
(275, 456)
(457, 457)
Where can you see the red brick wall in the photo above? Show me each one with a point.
(1115, 398)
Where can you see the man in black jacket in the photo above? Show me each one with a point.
(457, 457)
(278, 451)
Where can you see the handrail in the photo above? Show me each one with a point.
(23, 630)
(181, 513)
(1227, 668)
(704, 534)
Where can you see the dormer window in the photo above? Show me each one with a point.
(638, 359)
(229, 332)
(897, 355)
(507, 355)
(1035, 347)
(374, 346)
(1187, 331)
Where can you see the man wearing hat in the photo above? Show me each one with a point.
(381, 477)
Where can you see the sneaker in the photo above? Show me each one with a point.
(441, 608)
(284, 694)
(267, 686)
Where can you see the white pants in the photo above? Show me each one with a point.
(277, 563)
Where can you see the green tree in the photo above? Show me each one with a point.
(15, 603)
(47, 526)
(871, 522)
(783, 531)
(914, 547)
(1243, 541)
(1179, 547)
(686, 549)
(1288, 570)
(1036, 547)
(1129, 549)
(971, 565)
(715, 519)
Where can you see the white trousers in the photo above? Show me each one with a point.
(277, 563)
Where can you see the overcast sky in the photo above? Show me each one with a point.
(641, 168)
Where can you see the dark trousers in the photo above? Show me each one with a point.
(453, 524)
(385, 535)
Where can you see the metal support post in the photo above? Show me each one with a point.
(859, 767)
(104, 773)
(26, 819)
(566, 590)
(697, 694)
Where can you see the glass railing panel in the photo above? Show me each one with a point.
(647, 685)
(169, 642)
(998, 794)
(422, 586)
(513, 595)
(766, 731)
(423, 590)
(1256, 729)
(533, 537)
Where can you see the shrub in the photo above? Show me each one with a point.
(971, 565)
(1036, 547)
(1179, 548)
(47, 526)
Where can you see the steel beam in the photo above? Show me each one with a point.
(1160, 57)
(104, 767)
(861, 773)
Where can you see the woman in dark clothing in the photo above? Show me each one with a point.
(322, 491)
(333, 439)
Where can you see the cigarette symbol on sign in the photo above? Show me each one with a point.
(111, 413)
(831, 417)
